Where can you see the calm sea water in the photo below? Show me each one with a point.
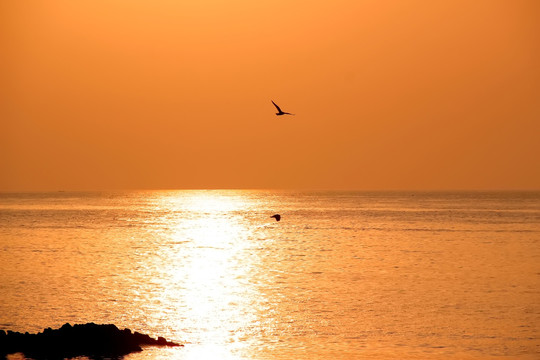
(343, 275)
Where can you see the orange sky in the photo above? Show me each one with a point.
(132, 94)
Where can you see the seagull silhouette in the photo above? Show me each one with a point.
(277, 217)
(280, 112)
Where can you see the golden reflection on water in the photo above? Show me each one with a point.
(209, 273)
(347, 276)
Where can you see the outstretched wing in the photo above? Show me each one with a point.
(277, 107)
(276, 216)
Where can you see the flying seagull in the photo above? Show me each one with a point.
(280, 112)
(277, 217)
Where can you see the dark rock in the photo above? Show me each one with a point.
(66, 327)
(77, 340)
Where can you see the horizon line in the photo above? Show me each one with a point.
(419, 190)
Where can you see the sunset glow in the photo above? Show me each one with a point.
(174, 95)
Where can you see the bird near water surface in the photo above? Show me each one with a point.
(280, 112)
(276, 216)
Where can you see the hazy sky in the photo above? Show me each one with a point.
(132, 94)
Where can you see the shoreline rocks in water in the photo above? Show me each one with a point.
(77, 340)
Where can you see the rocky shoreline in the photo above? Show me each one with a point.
(78, 340)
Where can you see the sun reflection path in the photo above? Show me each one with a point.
(210, 262)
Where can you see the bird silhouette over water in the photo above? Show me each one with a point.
(276, 216)
(280, 112)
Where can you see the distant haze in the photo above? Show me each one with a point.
(177, 94)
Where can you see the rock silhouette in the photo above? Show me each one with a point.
(78, 340)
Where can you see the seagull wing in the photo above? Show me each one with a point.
(277, 107)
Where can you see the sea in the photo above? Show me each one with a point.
(343, 275)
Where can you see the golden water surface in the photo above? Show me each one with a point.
(342, 275)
